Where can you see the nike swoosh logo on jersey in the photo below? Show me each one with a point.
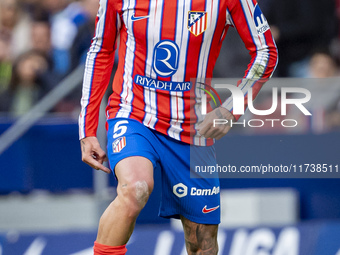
(133, 18)
(205, 210)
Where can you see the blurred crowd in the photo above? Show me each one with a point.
(307, 34)
(42, 41)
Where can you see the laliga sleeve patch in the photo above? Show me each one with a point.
(118, 144)
(260, 21)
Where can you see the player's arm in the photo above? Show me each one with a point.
(254, 31)
(97, 74)
(247, 18)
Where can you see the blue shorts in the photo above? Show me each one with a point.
(197, 199)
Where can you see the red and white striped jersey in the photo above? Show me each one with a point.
(163, 44)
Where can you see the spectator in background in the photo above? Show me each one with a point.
(5, 63)
(41, 42)
(332, 117)
(35, 9)
(322, 65)
(65, 21)
(85, 33)
(25, 89)
(299, 27)
(15, 24)
(78, 52)
(41, 36)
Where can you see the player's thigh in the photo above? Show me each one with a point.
(131, 154)
(137, 171)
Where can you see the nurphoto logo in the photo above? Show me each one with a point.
(236, 104)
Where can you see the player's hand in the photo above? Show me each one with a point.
(92, 154)
(207, 129)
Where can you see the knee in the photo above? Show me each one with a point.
(134, 195)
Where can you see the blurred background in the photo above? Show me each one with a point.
(50, 202)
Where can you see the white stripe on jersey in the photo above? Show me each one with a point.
(229, 19)
(204, 57)
(177, 114)
(182, 37)
(148, 66)
(150, 95)
(176, 100)
(127, 94)
(90, 62)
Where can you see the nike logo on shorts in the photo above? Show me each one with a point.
(206, 210)
(133, 18)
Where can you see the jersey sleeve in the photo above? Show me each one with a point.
(250, 23)
(98, 67)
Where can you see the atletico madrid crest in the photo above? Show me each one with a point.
(197, 22)
(118, 144)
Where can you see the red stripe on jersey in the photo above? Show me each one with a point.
(273, 54)
(117, 85)
(193, 55)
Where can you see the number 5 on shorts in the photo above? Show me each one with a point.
(119, 128)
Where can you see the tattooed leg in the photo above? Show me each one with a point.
(200, 239)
